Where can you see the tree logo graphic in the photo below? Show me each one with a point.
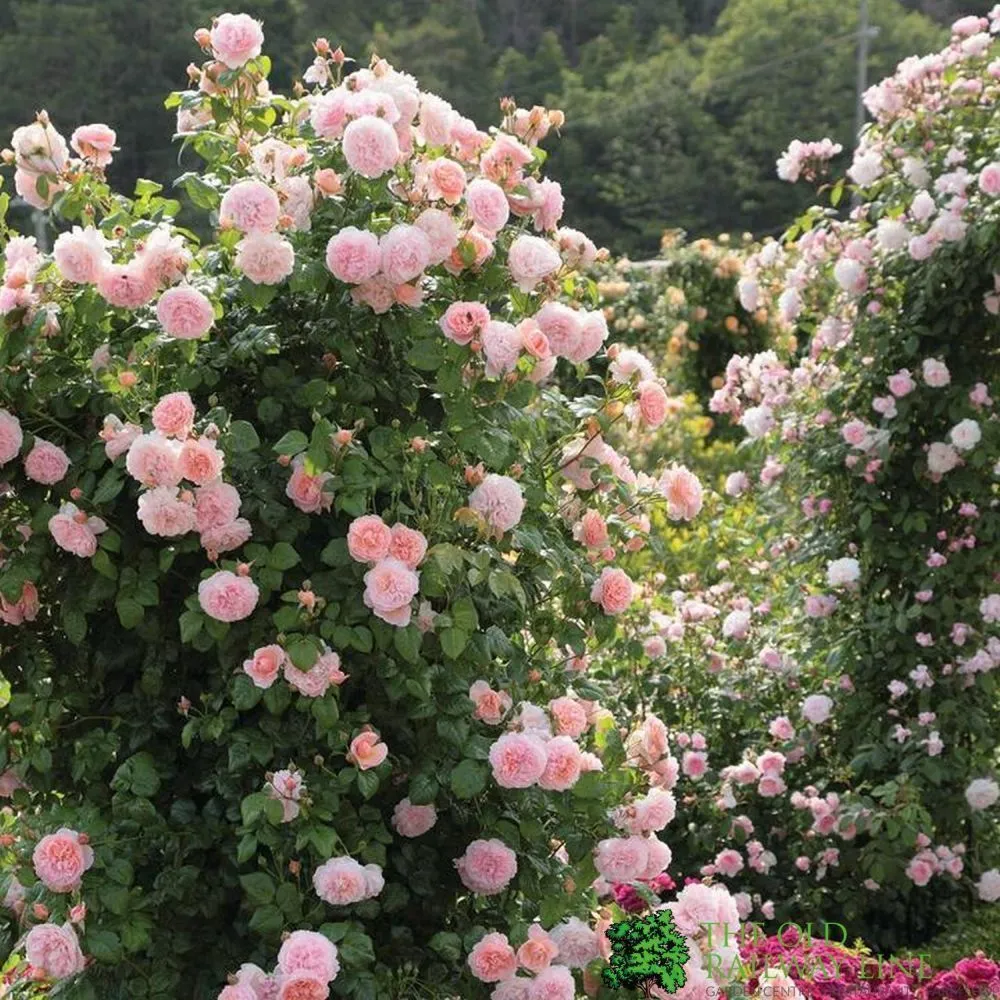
(647, 952)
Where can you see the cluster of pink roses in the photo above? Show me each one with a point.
(60, 861)
(267, 662)
(307, 963)
(161, 459)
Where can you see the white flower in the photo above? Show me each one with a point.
(892, 234)
(989, 608)
(749, 293)
(982, 793)
(941, 458)
(736, 625)
(866, 169)
(988, 886)
(965, 435)
(843, 572)
(936, 373)
(817, 708)
(757, 421)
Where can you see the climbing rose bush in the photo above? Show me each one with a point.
(884, 430)
(304, 549)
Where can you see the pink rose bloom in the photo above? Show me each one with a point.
(264, 666)
(81, 255)
(409, 820)
(817, 708)
(300, 986)
(54, 951)
(487, 205)
(236, 39)
(487, 867)
(653, 404)
(316, 681)
(227, 597)
(153, 460)
(442, 179)
(530, 259)
(770, 785)
(46, 463)
(441, 231)
(654, 647)
(368, 539)
(306, 491)
(353, 255)
(340, 882)
(26, 185)
(185, 313)
(405, 252)
(173, 415)
(538, 951)
(563, 327)
(500, 500)
(660, 857)
(920, 870)
(989, 179)
(126, 286)
(162, 512)
(577, 943)
(226, 537)
(407, 545)
(683, 493)
(491, 706)
(591, 530)
(622, 859)
(781, 728)
(518, 760)
(287, 787)
(73, 531)
(502, 345)
(95, 143)
(728, 862)
(164, 256)
(935, 373)
(11, 437)
(309, 953)
(464, 321)
(562, 766)
(200, 461)
(553, 983)
(697, 904)
(265, 258)
(367, 751)
(215, 505)
(371, 146)
(328, 114)
(493, 959)
(533, 340)
(61, 858)
(118, 437)
(694, 764)
(390, 586)
(613, 590)
(901, 384)
(25, 609)
(569, 715)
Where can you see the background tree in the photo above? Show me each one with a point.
(780, 69)
(647, 952)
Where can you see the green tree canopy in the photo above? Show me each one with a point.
(646, 952)
(777, 70)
